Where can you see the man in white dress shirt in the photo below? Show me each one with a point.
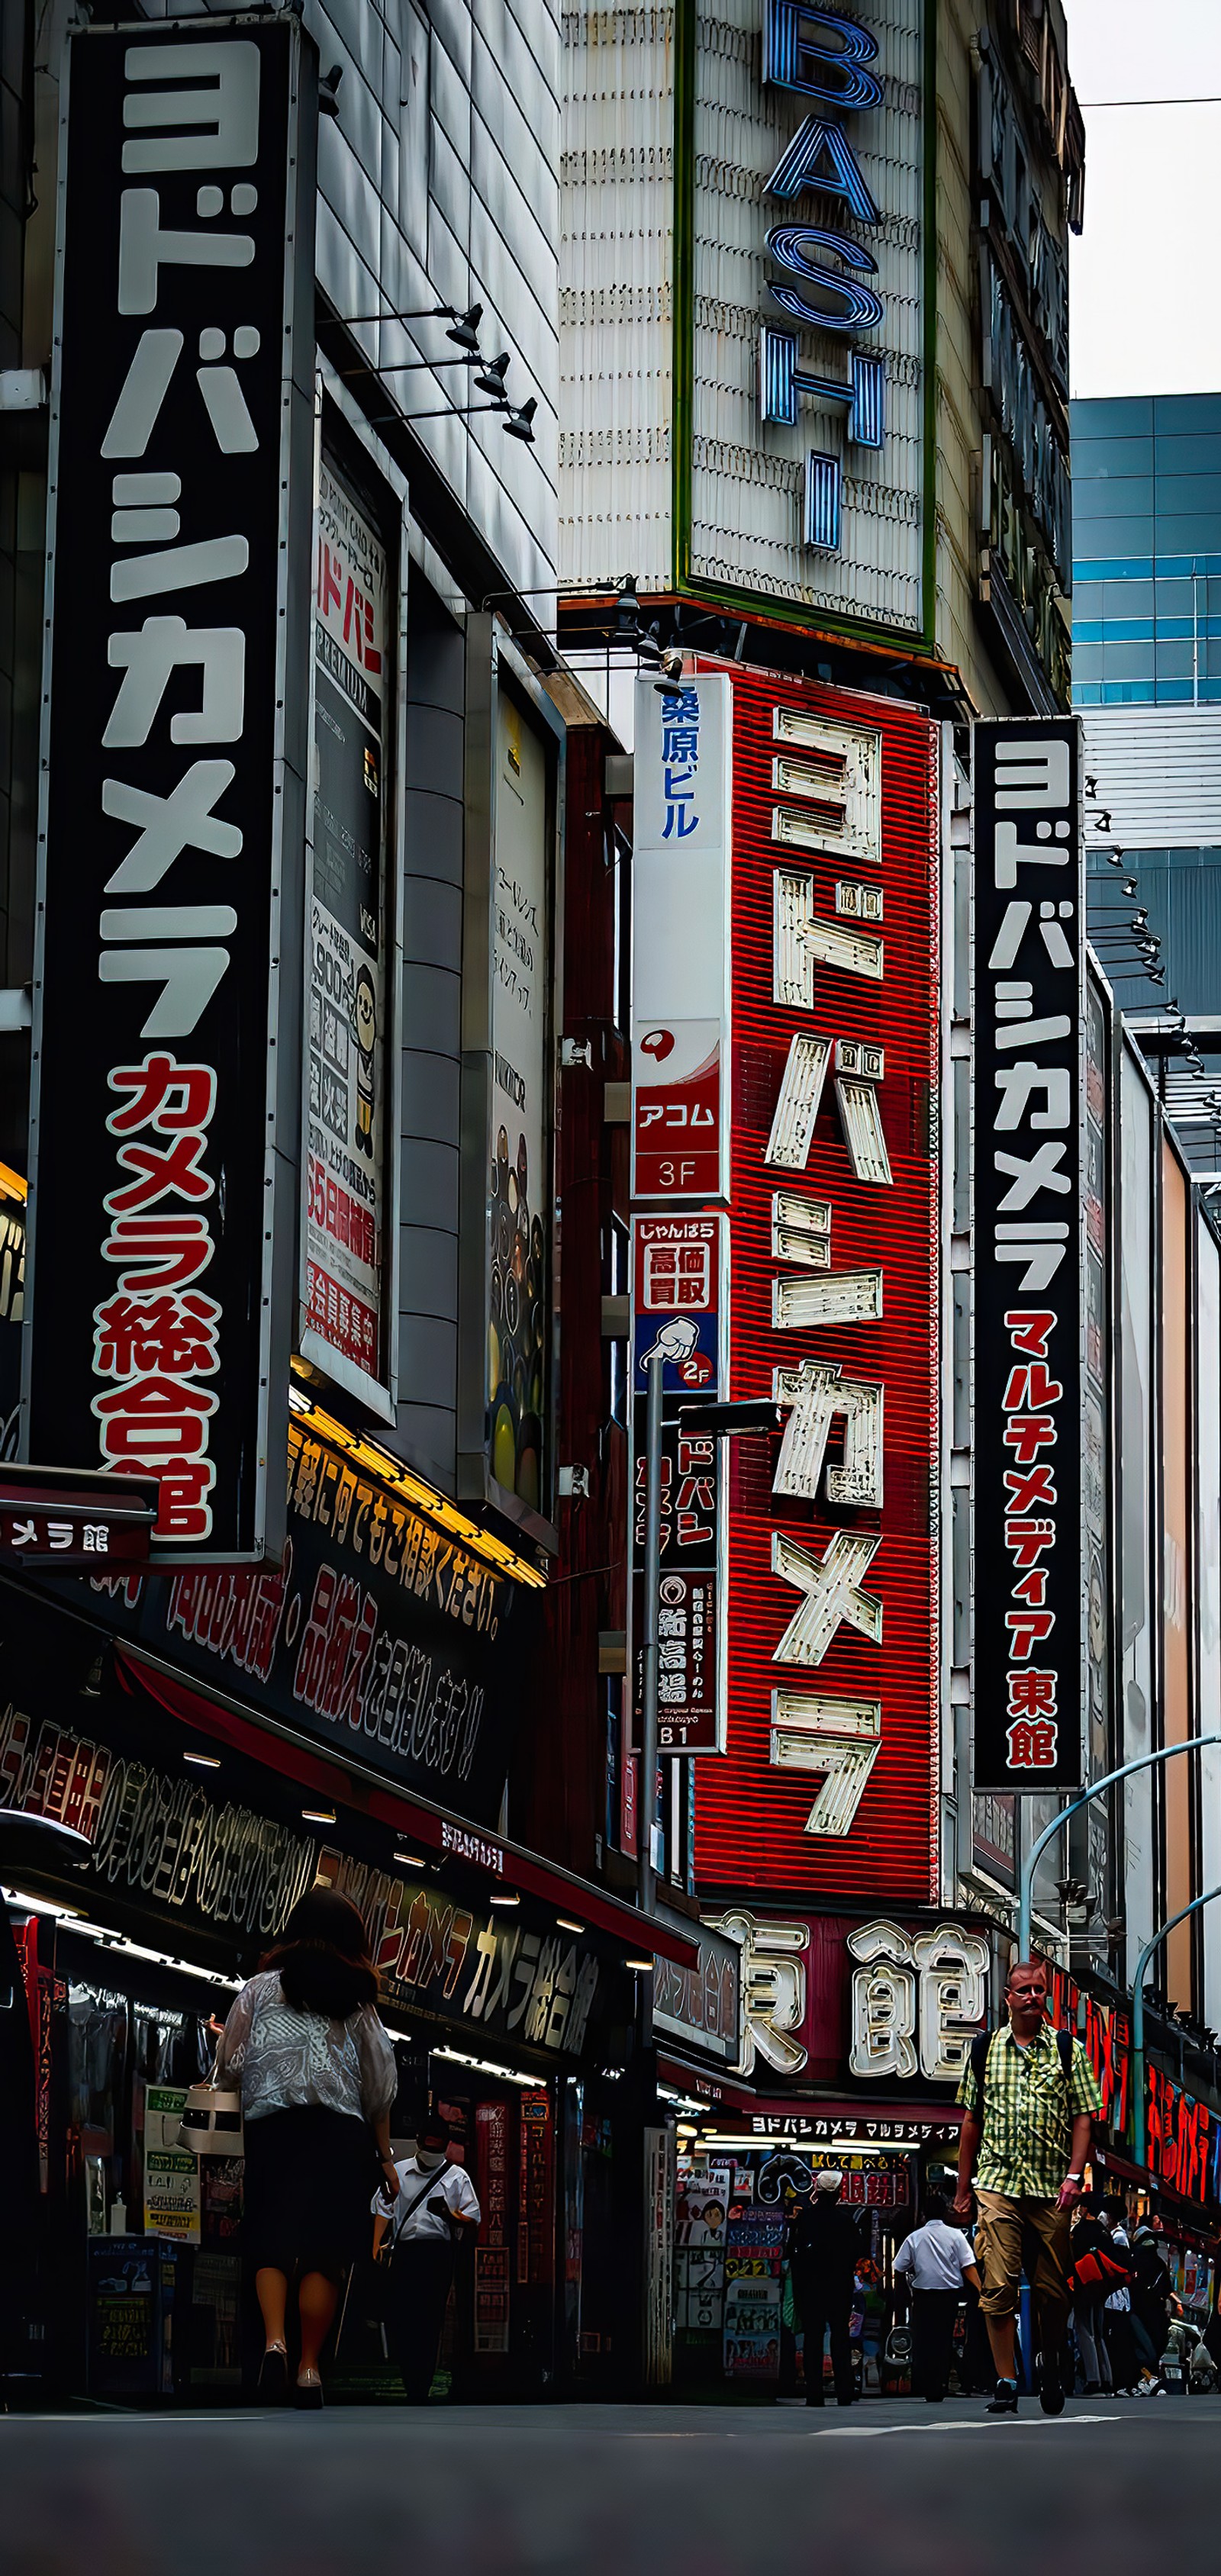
(434, 2208)
(936, 2259)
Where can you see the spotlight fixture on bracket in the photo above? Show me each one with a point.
(328, 91)
(627, 611)
(464, 328)
(518, 423)
(491, 378)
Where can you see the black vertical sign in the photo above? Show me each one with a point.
(687, 1696)
(166, 1119)
(1030, 1180)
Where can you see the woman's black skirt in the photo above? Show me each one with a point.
(310, 2176)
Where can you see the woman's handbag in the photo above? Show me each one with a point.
(212, 2121)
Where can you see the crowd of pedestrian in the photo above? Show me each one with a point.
(315, 2068)
(1101, 2299)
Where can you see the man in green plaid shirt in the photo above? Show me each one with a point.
(1025, 2147)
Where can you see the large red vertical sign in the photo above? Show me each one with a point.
(827, 1781)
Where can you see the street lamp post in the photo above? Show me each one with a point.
(1138, 2015)
(1143, 1762)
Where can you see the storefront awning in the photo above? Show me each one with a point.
(436, 1833)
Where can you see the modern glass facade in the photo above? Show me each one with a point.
(1147, 550)
(1147, 633)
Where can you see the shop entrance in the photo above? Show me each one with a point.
(736, 2328)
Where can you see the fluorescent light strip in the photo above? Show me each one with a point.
(43, 1905)
(818, 2146)
(116, 1942)
(391, 1472)
(484, 2066)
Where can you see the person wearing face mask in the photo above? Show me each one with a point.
(425, 2221)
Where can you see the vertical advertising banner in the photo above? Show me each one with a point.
(519, 1179)
(1031, 1166)
(680, 1310)
(165, 1131)
(350, 934)
(492, 2246)
(831, 1664)
(680, 955)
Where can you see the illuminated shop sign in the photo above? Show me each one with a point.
(830, 1550)
(164, 1136)
(880, 2002)
(1031, 1175)
(821, 55)
(161, 1840)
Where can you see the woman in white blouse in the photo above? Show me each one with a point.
(317, 2075)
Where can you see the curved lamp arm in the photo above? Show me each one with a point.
(1138, 2015)
(1143, 1762)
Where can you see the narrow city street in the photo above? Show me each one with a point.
(898, 2487)
(610, 1288)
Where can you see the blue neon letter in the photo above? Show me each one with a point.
(796, 57)
(860, 309)
(820, 156)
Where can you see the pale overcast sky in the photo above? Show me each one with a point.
(1146, 272)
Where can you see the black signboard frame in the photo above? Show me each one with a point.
(352, 455)
(1029, 1180)
(165, 1120)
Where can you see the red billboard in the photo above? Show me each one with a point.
(826, 1786)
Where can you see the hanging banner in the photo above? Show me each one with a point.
(680, 956)
(165, 1123)
(1031, 1171)
(347, 977)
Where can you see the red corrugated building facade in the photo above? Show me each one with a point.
(830, 1218)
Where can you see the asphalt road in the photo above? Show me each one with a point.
(584, 2490)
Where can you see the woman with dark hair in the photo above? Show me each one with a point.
(317, 2073)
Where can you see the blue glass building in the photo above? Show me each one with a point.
(1147, 639)
(1147, 550)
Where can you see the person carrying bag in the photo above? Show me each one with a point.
(434, 2208)
(314, 2068)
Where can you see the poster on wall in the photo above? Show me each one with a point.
(519, 1180)
(349, 1130)
(1034, 1263)
(164, 1129)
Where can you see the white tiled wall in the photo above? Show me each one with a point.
(439, 183)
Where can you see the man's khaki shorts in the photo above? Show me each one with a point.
(1003, 2226)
